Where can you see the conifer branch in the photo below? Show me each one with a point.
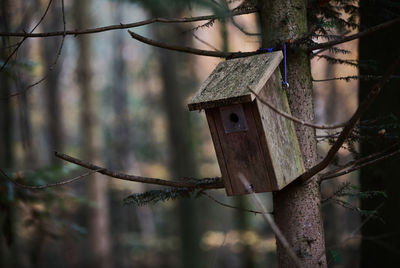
(362, 108)
(354, 36)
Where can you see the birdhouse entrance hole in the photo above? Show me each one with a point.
(233, 118)
(249, 138)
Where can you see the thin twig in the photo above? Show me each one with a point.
(51, 67)
(204, 42)
(291, 117)
(355, 77)
(270, 220)
(215, 183)
(230, 206)
(368, 163)
(229, 55)
(344, 241)
(41, 187)
(360, 160)
(362, 108)
(337, 192)
(19, 44)
(130, 25)
(201, 52)
(354, 36)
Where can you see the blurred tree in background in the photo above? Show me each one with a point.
(121, 104)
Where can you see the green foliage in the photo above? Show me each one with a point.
(43, 205)
(336, 256)
(346, 193)
(355, 191)
(155, 196)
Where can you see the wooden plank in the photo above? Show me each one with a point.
(218, 150)
(228, 83)
(280, 134)
(242, 153)
(264, 146)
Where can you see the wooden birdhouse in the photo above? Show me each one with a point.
(250, 138)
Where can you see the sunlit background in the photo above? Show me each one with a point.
(119, 103)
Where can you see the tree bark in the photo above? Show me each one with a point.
(297, 208)
(99, 233)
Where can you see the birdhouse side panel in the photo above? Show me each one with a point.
(280, 133)
(239, 152)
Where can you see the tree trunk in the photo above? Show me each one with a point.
(51, 84)
(99, 234)
(8, 247)
(297, 208)
(176, 68)
(380, 242)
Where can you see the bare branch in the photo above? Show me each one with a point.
(51, 67)
(360, 160)
(209, 183)
(201, 52)
(368, 163)
(41, 187)
(270, 220)
(229, 206)
(19, 44)
(131, 25)
(204, 42)
(354, 36)
(355, 77)
(294, 119)
(362, 108)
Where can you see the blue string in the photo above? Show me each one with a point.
(268, 49)
(271, 49)
(285, 83)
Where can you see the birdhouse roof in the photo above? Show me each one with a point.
(228, 83)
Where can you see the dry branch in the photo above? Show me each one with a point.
(359, 166)
(201, 52)
(41, 187)
(19, 44)
(362, 108)
(229, 55)
(290, 117)
(208, 183)
(271, 222)
(130, 25)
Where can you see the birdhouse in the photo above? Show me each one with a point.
(250, 138)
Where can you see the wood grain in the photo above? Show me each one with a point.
(228, 83)
(280, 134)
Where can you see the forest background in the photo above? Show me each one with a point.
(110, 100)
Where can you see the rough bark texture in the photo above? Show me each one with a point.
(297, 207)
(99, 234)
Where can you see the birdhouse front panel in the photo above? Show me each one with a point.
(250, 138)
(239, 148)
